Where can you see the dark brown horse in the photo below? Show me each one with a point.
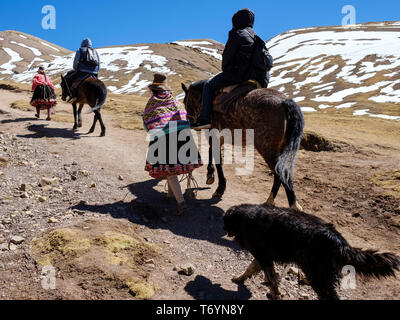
(91, 91)
(278, 125)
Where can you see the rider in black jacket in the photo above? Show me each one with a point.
(236, 64)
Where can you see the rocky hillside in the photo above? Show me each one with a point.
(341, 69)
(125, 69)
(353, 71)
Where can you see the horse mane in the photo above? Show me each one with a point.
(198, 85)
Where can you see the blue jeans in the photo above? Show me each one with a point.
(210, 87)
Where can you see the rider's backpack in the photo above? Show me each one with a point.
(89, 58)
(261, 57)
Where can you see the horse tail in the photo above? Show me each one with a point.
(294, 133)
(101, 93)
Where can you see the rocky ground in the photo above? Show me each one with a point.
(85, 205)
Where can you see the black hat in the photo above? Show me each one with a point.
(160, 83)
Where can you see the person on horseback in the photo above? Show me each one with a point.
(86, 63)
(44, 97)
(237, 65)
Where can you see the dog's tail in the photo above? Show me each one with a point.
(294, 133)
(372, 264)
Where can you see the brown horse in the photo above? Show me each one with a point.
(91, 91)
(278, 125)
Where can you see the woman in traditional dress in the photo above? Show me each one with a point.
(172, 149)
(43, 97)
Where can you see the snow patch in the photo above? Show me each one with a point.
(47, 45)
(35, 51)
(9, 66)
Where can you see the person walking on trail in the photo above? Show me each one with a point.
(44, 97)
(172, 149)
(237, 64)
(86, 63)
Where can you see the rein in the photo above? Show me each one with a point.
(66, 84)
(196, 116)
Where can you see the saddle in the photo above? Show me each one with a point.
(77, 82)
(228, 95)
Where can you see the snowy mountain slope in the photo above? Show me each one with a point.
(20, 52)
(326, 69)
(336, 68)
(125, 69)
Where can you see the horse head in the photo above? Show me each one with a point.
(64, 88)
(192, 101)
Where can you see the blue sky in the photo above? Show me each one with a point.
(121, 22)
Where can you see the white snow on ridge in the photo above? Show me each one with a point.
(134, 85)
(201, 45)
(47, 45)
(340, 95)
(35, 51)
(365, 112)
(9, 66)
(1, 39)
(351, 45)
(308, 109)
(134, 57)
(22, 36)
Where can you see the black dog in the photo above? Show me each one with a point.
(286, 236)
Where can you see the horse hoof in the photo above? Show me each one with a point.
(75, 129)
(90, 132)
(103, 134)
(297, 207)
(210, 180)
(80, 125)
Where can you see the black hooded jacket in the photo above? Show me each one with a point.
(238, 51)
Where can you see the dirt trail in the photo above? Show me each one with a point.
(334, 186)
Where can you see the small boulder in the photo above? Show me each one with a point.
(187, 269)
(17, 239)
(53, 220)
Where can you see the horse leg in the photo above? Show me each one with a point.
(289, 188)
(95, 118)
(210, 168)
(103, 127)
(80, 116)
(75, 116)
(274, 191)
(221, 179)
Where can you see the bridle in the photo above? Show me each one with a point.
(196, 115)
(67, 86)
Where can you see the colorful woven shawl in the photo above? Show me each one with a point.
(160, 110)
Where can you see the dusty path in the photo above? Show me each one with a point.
(335, 186)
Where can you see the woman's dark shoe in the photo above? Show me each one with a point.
(182, 209)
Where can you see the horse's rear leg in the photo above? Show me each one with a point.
(95, 118)
(289, 188)
(80, 115)
(275, 190)
(74, 108)
(103, 127)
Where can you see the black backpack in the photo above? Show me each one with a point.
(89, 58)
(261, 58)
